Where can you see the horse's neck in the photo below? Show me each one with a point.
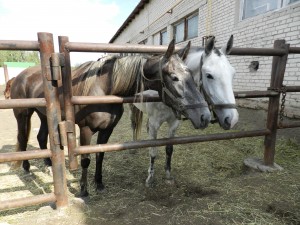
(124, 79)
(85, 76)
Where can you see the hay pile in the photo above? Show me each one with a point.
(212, 186)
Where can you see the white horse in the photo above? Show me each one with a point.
(213, 74)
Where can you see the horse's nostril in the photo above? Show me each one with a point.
(227, 121)
(204, 120)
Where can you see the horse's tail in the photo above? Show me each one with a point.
(7, 88)
(17, 164)
(136, 118)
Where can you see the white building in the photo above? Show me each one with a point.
(254, 23)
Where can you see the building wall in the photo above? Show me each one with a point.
(259, 31)
(13, 69)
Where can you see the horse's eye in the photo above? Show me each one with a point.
(174, 78)
(209, 76)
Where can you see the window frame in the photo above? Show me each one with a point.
(280, 4)
(184, 21)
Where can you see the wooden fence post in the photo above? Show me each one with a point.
(68, 106)
(53, 118)
(277, 76)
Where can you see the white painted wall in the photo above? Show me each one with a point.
(12, 72)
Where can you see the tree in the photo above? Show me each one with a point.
(19, 56)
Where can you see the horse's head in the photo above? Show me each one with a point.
(216, 82)
(176, 86)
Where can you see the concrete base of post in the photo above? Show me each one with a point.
(258, 164)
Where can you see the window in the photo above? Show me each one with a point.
(161, 38)
(251, 8)
(179, 32)
(186, 28)
(192, 27)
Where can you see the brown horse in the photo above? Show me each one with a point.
(7, 88)
(123, 76)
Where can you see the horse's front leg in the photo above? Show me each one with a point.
(152, 132)
(103, 136)
(169, 151)
(85, 139)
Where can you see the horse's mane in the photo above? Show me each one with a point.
(126, 71)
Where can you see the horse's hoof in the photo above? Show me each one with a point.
(170, 181)
(100, 188)
(26, 166)
(83, 194)
(79, 201)
(48, 162)
(149, 183)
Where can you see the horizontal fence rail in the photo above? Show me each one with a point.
(112, 99)
(257, 52)
(255, 94)
(284, 125)
(19, 45)
(168, 141)
(81, 100)
(114, 48)
(136, 48)
(33, 154)
(292, 88)
(294, 50)
(27, 201)
(22, 103)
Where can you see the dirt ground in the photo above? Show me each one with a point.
(212, 187)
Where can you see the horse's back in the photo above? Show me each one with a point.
(27, 83)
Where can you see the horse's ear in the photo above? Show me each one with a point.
(210, 45)
(226, 49)
(170, 50)
(185, 51)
